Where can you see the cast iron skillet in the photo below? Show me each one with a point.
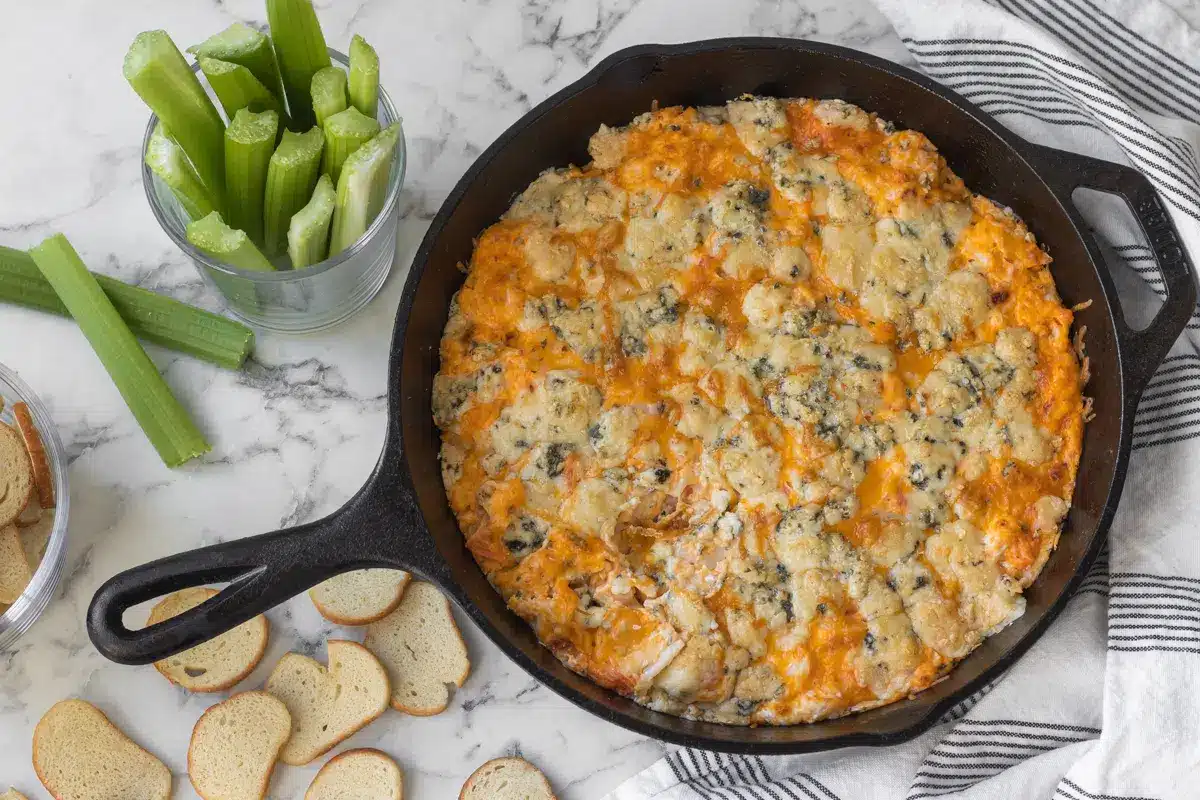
(401, 517)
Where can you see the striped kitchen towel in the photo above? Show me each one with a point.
(1106, 706)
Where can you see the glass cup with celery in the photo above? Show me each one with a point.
(285, 198)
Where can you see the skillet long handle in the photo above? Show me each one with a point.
(1146, 348)
(262, 571)
(374, 529)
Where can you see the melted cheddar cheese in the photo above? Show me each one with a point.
(762, 417)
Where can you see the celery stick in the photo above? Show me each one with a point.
(227, 245)
(362, 188)
(291, 177)
(21, 282)
(249, 142)
(166, 159)
(237, 88)
(308, 233)
(328, 93)
(241, 44)
(159, 74)
(300, 48)
(364, 76)
(163, 419)
(152, 317)
(345, 133)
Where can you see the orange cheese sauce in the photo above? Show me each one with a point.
(1023, 295)
(677, 152)
(823, 668)
(570, 586)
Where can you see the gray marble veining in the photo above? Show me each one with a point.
(297, 431)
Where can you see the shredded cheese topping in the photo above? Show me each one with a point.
(762, 417)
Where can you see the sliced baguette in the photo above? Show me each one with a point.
(31, 514)
(36, 535)
(507, 779)
(423, 651)
(15, 572)
(235, 745)
(43, 481)
(219, 663)
(360, 597)
(328, 705)
(357, 774)
(13, 794)
(16, 476)
(79, 755)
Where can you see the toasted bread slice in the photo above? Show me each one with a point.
(35, 532)
(328, 705)
(357, 774)
(15, 572)
(31, 514)
(79, 755)
(219, 663)
(235, 745)
(360, 597)
(507, 779)
(16, 476)
(13, 794)
(423, 651)
(43, 481)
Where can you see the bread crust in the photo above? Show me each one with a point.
(64, 706)
(333, 646)
(266, 781)
(458, 680)
(43, 480)
(158, 614)
(519, 763)
(10, 541)
(17, 485)
(340, 619)
(357, 753)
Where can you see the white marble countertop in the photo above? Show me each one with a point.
(297, 431)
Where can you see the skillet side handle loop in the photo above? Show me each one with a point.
(262, 571)
(1144, 349)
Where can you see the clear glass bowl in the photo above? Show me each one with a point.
(40, 591)
(295, 301)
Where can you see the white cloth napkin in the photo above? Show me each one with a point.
(1106, 706)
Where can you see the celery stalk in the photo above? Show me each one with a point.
(344, 133)
(362, 188)
(163, 419)
(229, 246)
(166, 159)
(150, 316)
(300, 48)
(308, 233)
(249, 142)
(291, 177)
(241, 44)
(159, 74)
(328, 93)
(364, 76)
(237, 88)
(22, 283)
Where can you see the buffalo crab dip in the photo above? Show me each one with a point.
(762, 417)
